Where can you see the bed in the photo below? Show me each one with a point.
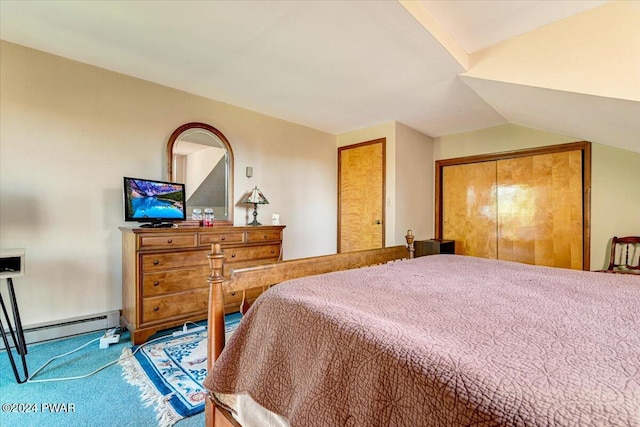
(439, 340)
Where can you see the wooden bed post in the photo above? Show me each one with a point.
(409, 237)
(216, 310)
(216, 336)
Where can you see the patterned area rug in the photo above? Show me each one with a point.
(170, 371)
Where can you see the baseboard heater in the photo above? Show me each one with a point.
(66, 328)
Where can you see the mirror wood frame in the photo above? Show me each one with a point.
(174, 138)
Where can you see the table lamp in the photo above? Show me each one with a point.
(256, 197)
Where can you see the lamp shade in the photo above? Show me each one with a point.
(255, 196)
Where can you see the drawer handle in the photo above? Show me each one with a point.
(156, 308)
(170, 241)
(223, 238)
(272, 251)
(264, 237)
(156, 262)
(233, 255)
(233, 293)
(156, 283)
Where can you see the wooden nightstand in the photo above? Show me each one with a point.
(434, 246)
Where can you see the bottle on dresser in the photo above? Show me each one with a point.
(207, 220)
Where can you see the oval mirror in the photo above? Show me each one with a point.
(200, 156)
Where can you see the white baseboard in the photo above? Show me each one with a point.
(67, 328)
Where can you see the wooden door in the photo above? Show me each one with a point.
(469, 206)
(361, 180)
(529, 206)
(540, 217)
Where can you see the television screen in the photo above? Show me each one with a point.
(153, 201)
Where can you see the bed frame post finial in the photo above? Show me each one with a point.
(216, 258)
(216, 302)
(409, 237)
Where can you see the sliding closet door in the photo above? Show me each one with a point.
(530, 206)
(469, 203)
(540, 209)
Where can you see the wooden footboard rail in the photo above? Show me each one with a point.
(264, 276)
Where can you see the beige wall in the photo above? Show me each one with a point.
(615, 199)
(69, 133)
(493, 140)
(615, 195)
(414, 187)
(576, 53)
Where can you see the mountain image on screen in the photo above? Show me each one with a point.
(155, 200)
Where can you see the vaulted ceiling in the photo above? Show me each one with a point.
(441, 67)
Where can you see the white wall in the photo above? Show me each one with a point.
(615, 174)
(69, 132)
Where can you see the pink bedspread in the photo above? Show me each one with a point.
(442, 340)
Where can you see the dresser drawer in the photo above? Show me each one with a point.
(164, 282)
(262, 236)
(182, 304)
(232, 300)
(166, 241)
(163, 261)
(231, 237)
(251, 253)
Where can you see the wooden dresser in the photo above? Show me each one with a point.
(165, 271)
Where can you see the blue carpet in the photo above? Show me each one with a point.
(102, 399)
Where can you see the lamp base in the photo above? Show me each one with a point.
(255, 215)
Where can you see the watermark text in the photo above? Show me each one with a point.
(51, 407)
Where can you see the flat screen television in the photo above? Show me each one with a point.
(156, 203)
